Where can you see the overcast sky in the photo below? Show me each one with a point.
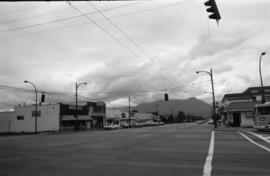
(160, 47)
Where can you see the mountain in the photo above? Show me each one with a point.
(188, 106)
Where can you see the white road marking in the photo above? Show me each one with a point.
(253, 142)
(260, 137)
(208, 161)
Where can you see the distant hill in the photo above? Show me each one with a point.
(189, 106)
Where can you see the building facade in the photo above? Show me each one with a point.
(53, 117)
(23, 119)
(239, 107)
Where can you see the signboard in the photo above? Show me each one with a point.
(34, 113)
(73, 107)
(123, 115)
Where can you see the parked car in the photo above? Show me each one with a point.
(111, 127)
(200, 121)
(211, 121)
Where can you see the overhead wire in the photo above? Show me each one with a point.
(106, 92)
(103, 29)
(130, 40)
(74, 25)
(64, 10)
(57, 20)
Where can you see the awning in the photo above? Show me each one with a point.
(72, 117)
(241, 106)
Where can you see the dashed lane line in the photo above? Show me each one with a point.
(207, 169)
(255, 143)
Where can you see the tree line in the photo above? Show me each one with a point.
(180, 117)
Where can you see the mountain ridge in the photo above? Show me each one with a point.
(188, 106)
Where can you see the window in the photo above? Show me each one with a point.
(20, 117)
(264, 110)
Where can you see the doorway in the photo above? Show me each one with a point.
(236, 119)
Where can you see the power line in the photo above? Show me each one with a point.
(31, 90)
(54, 21)
(127, 37)
(66, 26)
(100, 27)
(108, 92)
(65, 10)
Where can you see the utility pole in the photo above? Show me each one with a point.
(129, 113)
(214, 101)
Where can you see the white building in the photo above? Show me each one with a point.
(239, 107)
(22, 119)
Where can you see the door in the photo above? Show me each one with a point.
(236, 119)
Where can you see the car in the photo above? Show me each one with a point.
(210, 121)
(200, 122)
(111, 127)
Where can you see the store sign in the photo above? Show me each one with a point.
(73, 107)
(123, 115)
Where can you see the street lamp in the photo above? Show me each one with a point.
(35, 103)
(263, 97)
(76, 97)
(129, 113)
(213, 94)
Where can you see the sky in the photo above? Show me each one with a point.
(137, 49)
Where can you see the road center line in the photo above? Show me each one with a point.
(253, 142)
(259, 136)
(208, 161)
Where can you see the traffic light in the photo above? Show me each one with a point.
(166, 97)
(43, 97)
(212, 9)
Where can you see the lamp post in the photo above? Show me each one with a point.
(263, 96)
(76, 106)
(35, 103)
(213, 94)
(129, 113)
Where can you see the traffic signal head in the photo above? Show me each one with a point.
(43, 98)
(213, 9)
(166, 97)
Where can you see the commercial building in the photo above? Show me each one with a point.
(23, 119)
(116, 117)
(53, 117)
(239, 107)
(89, 115)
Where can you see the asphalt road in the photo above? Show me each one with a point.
(178, 149)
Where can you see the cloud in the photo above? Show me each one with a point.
(173, 40)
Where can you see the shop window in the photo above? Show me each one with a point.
(20, 117)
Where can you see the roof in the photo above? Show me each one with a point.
(248, 90)
(241, 96)
(241, 106)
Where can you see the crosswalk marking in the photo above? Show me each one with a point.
(266, 139)
(253, 142)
